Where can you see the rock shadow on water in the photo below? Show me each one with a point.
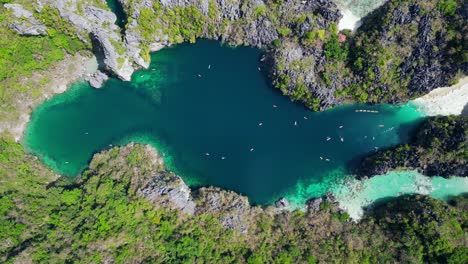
(407, 131)
(452, 199)
(381, 202)
(465, 110)
(98, 52)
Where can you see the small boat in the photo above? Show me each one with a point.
(209, 66)
(373, 138)
(328, 138)
(295, 123)
(110, 145)
(86, 133)
(321, 157)
(342, 139)
(199, 76)
(260, 124)
(207, 154)
(66, 162)
(259, 69)
(381, 125)
(223, 158)
(274, 106)
(252, 149)
(153, 69)
(327, 159)
(340, 126)
(305, 118)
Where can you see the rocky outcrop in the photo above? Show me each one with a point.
(438, 149)
(405, 49)
(26, 24)
(169, 190)
(97, 79)
(97, 25)
(233, 210)
(278, 28)
(313, 205)
(282, 203)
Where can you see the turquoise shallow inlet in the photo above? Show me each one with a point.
(210, 110)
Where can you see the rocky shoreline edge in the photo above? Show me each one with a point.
(64, 80)
(164, 188)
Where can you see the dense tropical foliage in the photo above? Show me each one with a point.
(100, 217)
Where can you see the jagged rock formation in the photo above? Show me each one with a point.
(97, 79)
(282, 203)
(313, 205)
(94, 22)
(233, 210)
(99, 217)
(275, 26)
(439, 148)
(171, 191)
(26, 24)
(407, 48)
(403, 50)
(150, 179)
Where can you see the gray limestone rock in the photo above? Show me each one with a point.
(282, 203)
(235, 209)
(97, 79)
(313, 205)
(26, 24)
(169, 189)
(105, 35)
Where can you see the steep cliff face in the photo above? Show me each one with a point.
(404, 49)
(407, 48)
(292, 32)
(150, 179)
(95, 23)
(440, 148)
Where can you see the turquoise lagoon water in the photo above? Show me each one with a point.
(210, 110)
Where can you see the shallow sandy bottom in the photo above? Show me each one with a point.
(356, 195)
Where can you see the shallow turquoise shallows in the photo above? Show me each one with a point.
(211, 111)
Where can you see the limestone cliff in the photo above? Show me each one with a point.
(403, 50)
(96, 23)
(439, 148)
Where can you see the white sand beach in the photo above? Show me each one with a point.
(349, 20)
(450, 100)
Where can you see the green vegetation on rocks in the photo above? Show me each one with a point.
(403, 50)
(104, 216)
(439, 148)
(21, 56)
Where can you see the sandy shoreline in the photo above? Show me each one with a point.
(349, 20)
(61, 75)
(452, 100)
